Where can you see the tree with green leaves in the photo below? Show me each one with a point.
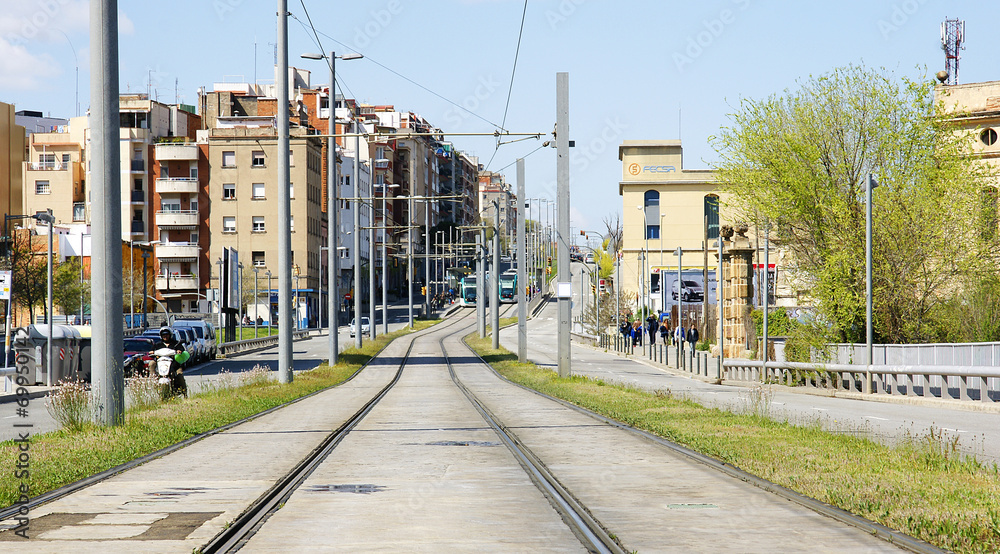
(29, 274)
(69, 291)
(798, 162)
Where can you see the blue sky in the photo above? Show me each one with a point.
(638, 69)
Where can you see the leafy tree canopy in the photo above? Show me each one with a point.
(798, 162)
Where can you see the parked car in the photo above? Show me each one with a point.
(365, 326)
(691, 291)
(205, 333)
(193, 345)
(137, 356)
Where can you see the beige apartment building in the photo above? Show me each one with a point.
(12, 146)
(243, 189)
(55, 173)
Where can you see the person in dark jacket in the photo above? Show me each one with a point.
(651, 328)
(664, 332)
(167, 340)
(692, 336)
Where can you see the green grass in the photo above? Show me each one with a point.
(65, 456)
(925, 488)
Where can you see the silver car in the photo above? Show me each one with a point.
(365, 326)
(691, 291)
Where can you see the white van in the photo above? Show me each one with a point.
(204, 331)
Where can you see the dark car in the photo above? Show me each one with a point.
(137, 356)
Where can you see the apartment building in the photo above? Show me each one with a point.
(497, 203)
(12, 145)
(243, 189)
(55, 173)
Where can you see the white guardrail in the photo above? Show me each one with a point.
(978, 383)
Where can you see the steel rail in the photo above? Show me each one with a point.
(244, 526)
(584, 525)
(878, 530)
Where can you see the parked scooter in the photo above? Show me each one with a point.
(168, 364)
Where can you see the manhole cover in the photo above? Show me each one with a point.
(463, 443)
(355, 489)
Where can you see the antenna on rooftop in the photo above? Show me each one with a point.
(952, 41)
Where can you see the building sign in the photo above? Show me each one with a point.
(4, 285)
(636, 169)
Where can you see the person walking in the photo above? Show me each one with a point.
(692, 336)
(651, 328)
(679, 336)
(664, 332)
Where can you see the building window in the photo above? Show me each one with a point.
(47, 161)
(170, 205)
(291, 159)
(194, 237)
(652, 232)
(42, 187)
(258, 224)
(291, 224)
(651, 198)
(988, 136)
(194, 205)
(712, 213)
(79, 211)
(228, 224)
(229, 191)
(229, 158)
(257, 191)
(137, 184)
(291, 191)
(193, 173)
(258, 259)
(257, 158)
(65, 159)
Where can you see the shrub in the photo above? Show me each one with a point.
(70, 405)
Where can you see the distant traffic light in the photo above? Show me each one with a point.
(423, 290)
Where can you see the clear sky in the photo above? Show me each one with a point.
(638, 69)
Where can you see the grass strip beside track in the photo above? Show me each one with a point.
(65, 456)
(924, 488)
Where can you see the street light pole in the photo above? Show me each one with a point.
(268, 274)
(869, 186)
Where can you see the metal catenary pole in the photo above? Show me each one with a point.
(495, 280)
(286, 310)
(356, 205)
(410, 274)
(371, 261)
(108, 377)
(481, 294)
(333, 223)
(522, 274)
(562, 190)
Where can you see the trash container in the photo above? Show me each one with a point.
(25, 355)
(65, 351)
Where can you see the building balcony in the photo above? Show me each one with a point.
(176, 151)
(47, 166)
(177, 219)
(177, 184)
(137, 197)
(382, 164)
(178, 251)
(176, 281)
(138, 166)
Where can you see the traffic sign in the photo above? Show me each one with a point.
(5, 285)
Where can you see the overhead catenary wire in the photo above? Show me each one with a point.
(409, 80)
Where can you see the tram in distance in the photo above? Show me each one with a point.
(508, 287)
(467, 290)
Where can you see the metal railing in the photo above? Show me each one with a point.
(249, 345)
(948, 382)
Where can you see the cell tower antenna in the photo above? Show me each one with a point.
(952, 42)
